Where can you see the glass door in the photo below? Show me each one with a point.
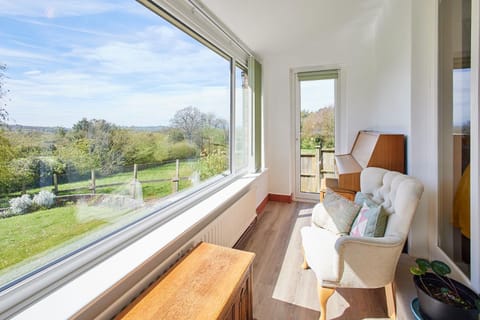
(315, 123)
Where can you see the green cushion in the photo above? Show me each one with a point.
(361, 198)
(341, 213)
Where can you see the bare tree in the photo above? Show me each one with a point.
(3, 93)
(189, 120)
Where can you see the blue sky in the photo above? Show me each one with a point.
(112, 60)
(461, 98)
(317, 94)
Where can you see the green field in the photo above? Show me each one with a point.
(24, 236)
(151, 190)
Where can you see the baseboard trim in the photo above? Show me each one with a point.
(241, 242)
(280, 197)
(273, 197)
(262, 205)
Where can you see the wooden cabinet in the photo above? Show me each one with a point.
(212, 282)
(370, 149)
(241, 308)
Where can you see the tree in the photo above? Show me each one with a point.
(212, 164)
(6, 149)
(202, 129)
(189, 120)
(318, 128)
(25, 170)
(7, 154)
(3, 92)
(98, 136)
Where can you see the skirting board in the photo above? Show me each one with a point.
(273, 197)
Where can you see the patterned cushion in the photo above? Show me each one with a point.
(340, 213)
(360, 223)
(370, 222)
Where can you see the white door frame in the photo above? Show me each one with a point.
(295, 116)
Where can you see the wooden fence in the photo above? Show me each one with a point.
(314, 167)
(175, 180)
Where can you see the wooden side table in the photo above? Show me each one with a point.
(212, 282)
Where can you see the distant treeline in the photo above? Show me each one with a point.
(31, 155)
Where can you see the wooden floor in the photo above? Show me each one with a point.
(271, 237)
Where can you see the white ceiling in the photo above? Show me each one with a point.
(274, 26)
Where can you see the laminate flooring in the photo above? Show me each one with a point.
(281, 289)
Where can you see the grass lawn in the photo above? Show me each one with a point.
(24, 236)
(151, 190)
(166, 171)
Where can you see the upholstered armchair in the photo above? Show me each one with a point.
(355, 260)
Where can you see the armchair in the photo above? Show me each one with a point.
(353, 261)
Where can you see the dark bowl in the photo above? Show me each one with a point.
(438, 310)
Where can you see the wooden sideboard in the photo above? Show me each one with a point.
(211, 282)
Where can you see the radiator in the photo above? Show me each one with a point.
(228, 227)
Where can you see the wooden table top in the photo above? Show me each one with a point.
(198, 287)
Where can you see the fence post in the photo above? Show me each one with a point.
(135, 171)
(55, 184)
(319, 166)
(93, 186)
(134, 181)
(175, 179)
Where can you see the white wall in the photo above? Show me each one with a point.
(389, 85)
(423, 139)
(393, 72)
(375, 61)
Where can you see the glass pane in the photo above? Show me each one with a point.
(317, 132)
(454, 126)
(242, 119)
(110, 110)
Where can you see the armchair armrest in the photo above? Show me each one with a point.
(366, 262)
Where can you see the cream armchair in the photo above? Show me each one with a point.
(364, 262)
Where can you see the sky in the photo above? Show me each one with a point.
(103, 59)
(317, 94)
(461, 98)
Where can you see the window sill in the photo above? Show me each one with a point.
(76, 294)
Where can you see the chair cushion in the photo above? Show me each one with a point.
(335, 213)
(320, 253)
(371, 221)
(361, 198)
(360, 224)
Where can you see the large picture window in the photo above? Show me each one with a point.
(106, 111)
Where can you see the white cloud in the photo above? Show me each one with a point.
(61, 99)
(15, 54)
(64, 27)
(32, 72)
(66, 84)
(140, 77)
(59, 8)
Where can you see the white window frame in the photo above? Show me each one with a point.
(434, 250)
(295, 114)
